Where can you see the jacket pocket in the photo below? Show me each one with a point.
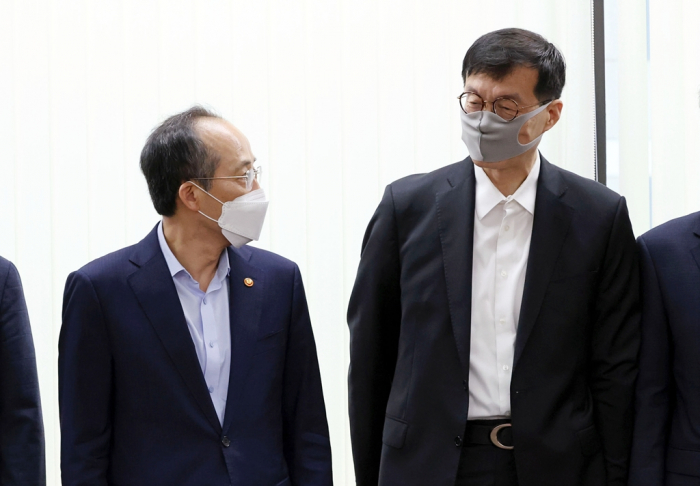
(394, 434)
(589, 440)
(682, 461)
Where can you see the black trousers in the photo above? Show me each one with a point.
(486, 465)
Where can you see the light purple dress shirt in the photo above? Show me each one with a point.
(207, 316)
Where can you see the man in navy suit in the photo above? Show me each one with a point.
(21, 426)
(666, 450)
(188, 358)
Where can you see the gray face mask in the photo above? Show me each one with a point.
(489, 138)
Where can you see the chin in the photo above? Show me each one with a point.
(501, 164)
(523, 160)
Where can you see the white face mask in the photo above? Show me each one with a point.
(242, 219)
(489, 138)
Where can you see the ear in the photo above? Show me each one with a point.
(554, 112)
(188, 194)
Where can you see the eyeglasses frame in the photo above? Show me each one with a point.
(493, 104)
(257, 171)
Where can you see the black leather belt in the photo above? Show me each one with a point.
(489, 432)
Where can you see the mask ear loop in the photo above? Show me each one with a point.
(532, 114)
(210, 195)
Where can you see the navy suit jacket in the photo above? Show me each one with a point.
(576, 347)
(134, 405)
(667, 426)
(21, 426)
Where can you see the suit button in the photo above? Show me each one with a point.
(225, 441)
(458, 441)
(465, 385)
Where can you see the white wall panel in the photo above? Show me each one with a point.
(33, 196)
(338, 99)
(323, 46)
(70, 188)
(668, 148)
(287, 169)
(674, 75)
(251, 85)
(7, 130)
(435, 76)
(691, 109)
(633, 92)
(105, 128)
(141, 105)
(396, 45)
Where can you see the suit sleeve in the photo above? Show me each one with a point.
(654, 384)
(307, 447)
(615, 346)
(21, 426)
(374, 318)
(85, 386)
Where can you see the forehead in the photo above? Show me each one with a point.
(225, 140)
(519, 83)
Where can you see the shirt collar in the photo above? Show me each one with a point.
(488, 196)
(175, 267)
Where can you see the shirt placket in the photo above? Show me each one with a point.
(212, 368)
(503, 305)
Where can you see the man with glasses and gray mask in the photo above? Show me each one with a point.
(494, 319)
(189, 358)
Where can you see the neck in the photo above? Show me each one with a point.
(199, 256)
(508, 175)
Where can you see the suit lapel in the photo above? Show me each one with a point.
(455, 214)
(245, 309)
(154, 288)
(550, 226)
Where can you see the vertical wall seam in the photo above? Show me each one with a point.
(598, 46)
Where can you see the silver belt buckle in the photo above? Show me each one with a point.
(494, 436)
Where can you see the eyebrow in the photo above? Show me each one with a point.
(513, 96)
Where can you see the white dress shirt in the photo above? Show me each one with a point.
(502, 234)
(207, 316)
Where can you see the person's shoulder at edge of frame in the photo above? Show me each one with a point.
(419, 190)
(667, 233)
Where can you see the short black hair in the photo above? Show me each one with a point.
(174, 153)
(497, 53)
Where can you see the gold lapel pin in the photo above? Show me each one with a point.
(248, 282)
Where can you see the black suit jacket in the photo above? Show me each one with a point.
(134, 405)
(21, 425)
(575, 350)
(666, 447)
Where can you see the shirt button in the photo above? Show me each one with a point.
(205, 301)
(211, 344)
(225, 441)
(505, 368)
(211, 389)
(502, 321)
(506, 228)
(504, 273)
(458, 441)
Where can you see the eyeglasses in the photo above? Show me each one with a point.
(250, 176)
(506, 108)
